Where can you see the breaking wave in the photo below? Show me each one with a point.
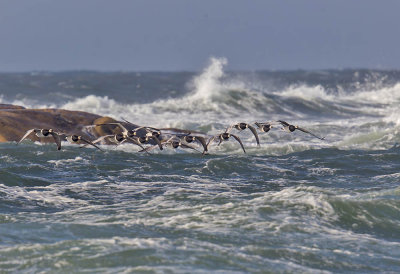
(365, 117)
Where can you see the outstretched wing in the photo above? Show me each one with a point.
(26, 135)
(120, 143)
(267, 123)
(306, 131)
(117, 124)
(188, 146)
(202, 141)
(90, 143)
(57, 139)
(283, 123)
(211, 140)
(98, 140)
(240, 142)
(154, 129)
(158, 142)
(147, 149)
(228, 129)
(136, 142)
(137, 127)
(254, 133)
(126, 121)
(169, 140)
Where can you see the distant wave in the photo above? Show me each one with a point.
(366, 117)
(217, 97)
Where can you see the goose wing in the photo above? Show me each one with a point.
(157, 141)
(120, 143)
(306, 131)
(26, 134)
(267, 123)
(102, 138)
(202, 141)
(191, 147)
(283, 123)
(240, 142)
(136, 142)
(90, 143)
(254, 133)
(147, 149)
(57, 139)
(154, 129)
(117, 124)
(137, 127)
(126, 121)
(228, 129)
(211, 140)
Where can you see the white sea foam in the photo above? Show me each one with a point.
(27, 103)
(212, 98)
(366, 118)
(308, 196)
(42, 196)
(384, 95)
(307, 93)
(217, 101)
(208, 83)
(67, 161)
(8, 159)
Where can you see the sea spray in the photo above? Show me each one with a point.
(294, 204)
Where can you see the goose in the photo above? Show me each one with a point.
(188, 138)
(290, 128)
(76, 139)
(119, 139)
(173, 142)
(225, 137)
(43, 133)
(130, 134)
(264, 127)
(243, 126)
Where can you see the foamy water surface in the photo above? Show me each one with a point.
(294, 204)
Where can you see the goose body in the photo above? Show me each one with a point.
(225, 137)
(76, 139)
(43, 133)
(243, 126)
(291, 128)
(264, 127)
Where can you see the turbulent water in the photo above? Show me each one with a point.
(294, 204)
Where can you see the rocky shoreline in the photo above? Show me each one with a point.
(16, 120)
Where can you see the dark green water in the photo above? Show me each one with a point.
(295, 204)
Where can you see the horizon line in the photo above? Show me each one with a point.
(83, 70)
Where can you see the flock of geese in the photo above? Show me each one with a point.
(149, 138)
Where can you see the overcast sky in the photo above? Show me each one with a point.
(171, 35)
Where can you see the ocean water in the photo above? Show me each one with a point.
(294, 204)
